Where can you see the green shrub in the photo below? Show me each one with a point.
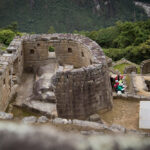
(51, 49)
(135, 54)
(6, 36)
(114, 53)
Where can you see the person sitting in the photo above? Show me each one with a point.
(116, 85)
(120, 88)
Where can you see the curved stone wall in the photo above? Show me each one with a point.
(68, 50)
(84, 91)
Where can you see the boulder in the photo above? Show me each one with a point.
(42, 119)
(6, 116)
(89, 124)
(117, 128)
(94, 117)
(28, 120)
(61, 121)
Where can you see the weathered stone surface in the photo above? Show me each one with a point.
(16, 137)
(43, 89)
(42, 119)
(61, 121)
(89, 124)
(31, 119)
(130, 69)
(44, 108)
(117, 128)
(94, 117)
(6, 116)
(92, 132)
(145, 67)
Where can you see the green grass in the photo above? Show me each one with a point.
(121, 67)
(128, 81)
(138, 70)
(22, 112)
(3, 47)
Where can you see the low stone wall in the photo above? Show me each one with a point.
(123, 60)
(130, 96)
(145, 67)
(25, 137)
(130, 69)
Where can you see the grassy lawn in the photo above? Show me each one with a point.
(3, 47)
(121, 67)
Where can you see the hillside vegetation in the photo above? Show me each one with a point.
(67, 15)
(130, 40)
(125, 39)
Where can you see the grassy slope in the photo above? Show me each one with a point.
(64, 15)
(121, 67)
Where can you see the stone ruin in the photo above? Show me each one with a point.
(145, 67)
(130, 69)
(75, 76)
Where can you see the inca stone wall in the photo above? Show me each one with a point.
(67, 51)
(145, 67)
(81, 90)
(11, 68)
(130, 69)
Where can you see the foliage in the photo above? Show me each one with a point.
(125, 39)
(115, 53)
(131, 34)
(6, 36)
(51, 30)
(67, 15)
(138, 53)
(13, 27)
(51, 49)
(135, 54)
(106, 36)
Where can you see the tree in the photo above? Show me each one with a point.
(13, 26)
(51, 30)
(6, 36)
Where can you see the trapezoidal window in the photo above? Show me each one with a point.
(69, 50)
(31, 51)
(4, 81)
(90, 61)
(38, 44)
(82, 54)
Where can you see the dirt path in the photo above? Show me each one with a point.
(125, 113)
(25, 88)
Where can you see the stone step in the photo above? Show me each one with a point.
(48, 109)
